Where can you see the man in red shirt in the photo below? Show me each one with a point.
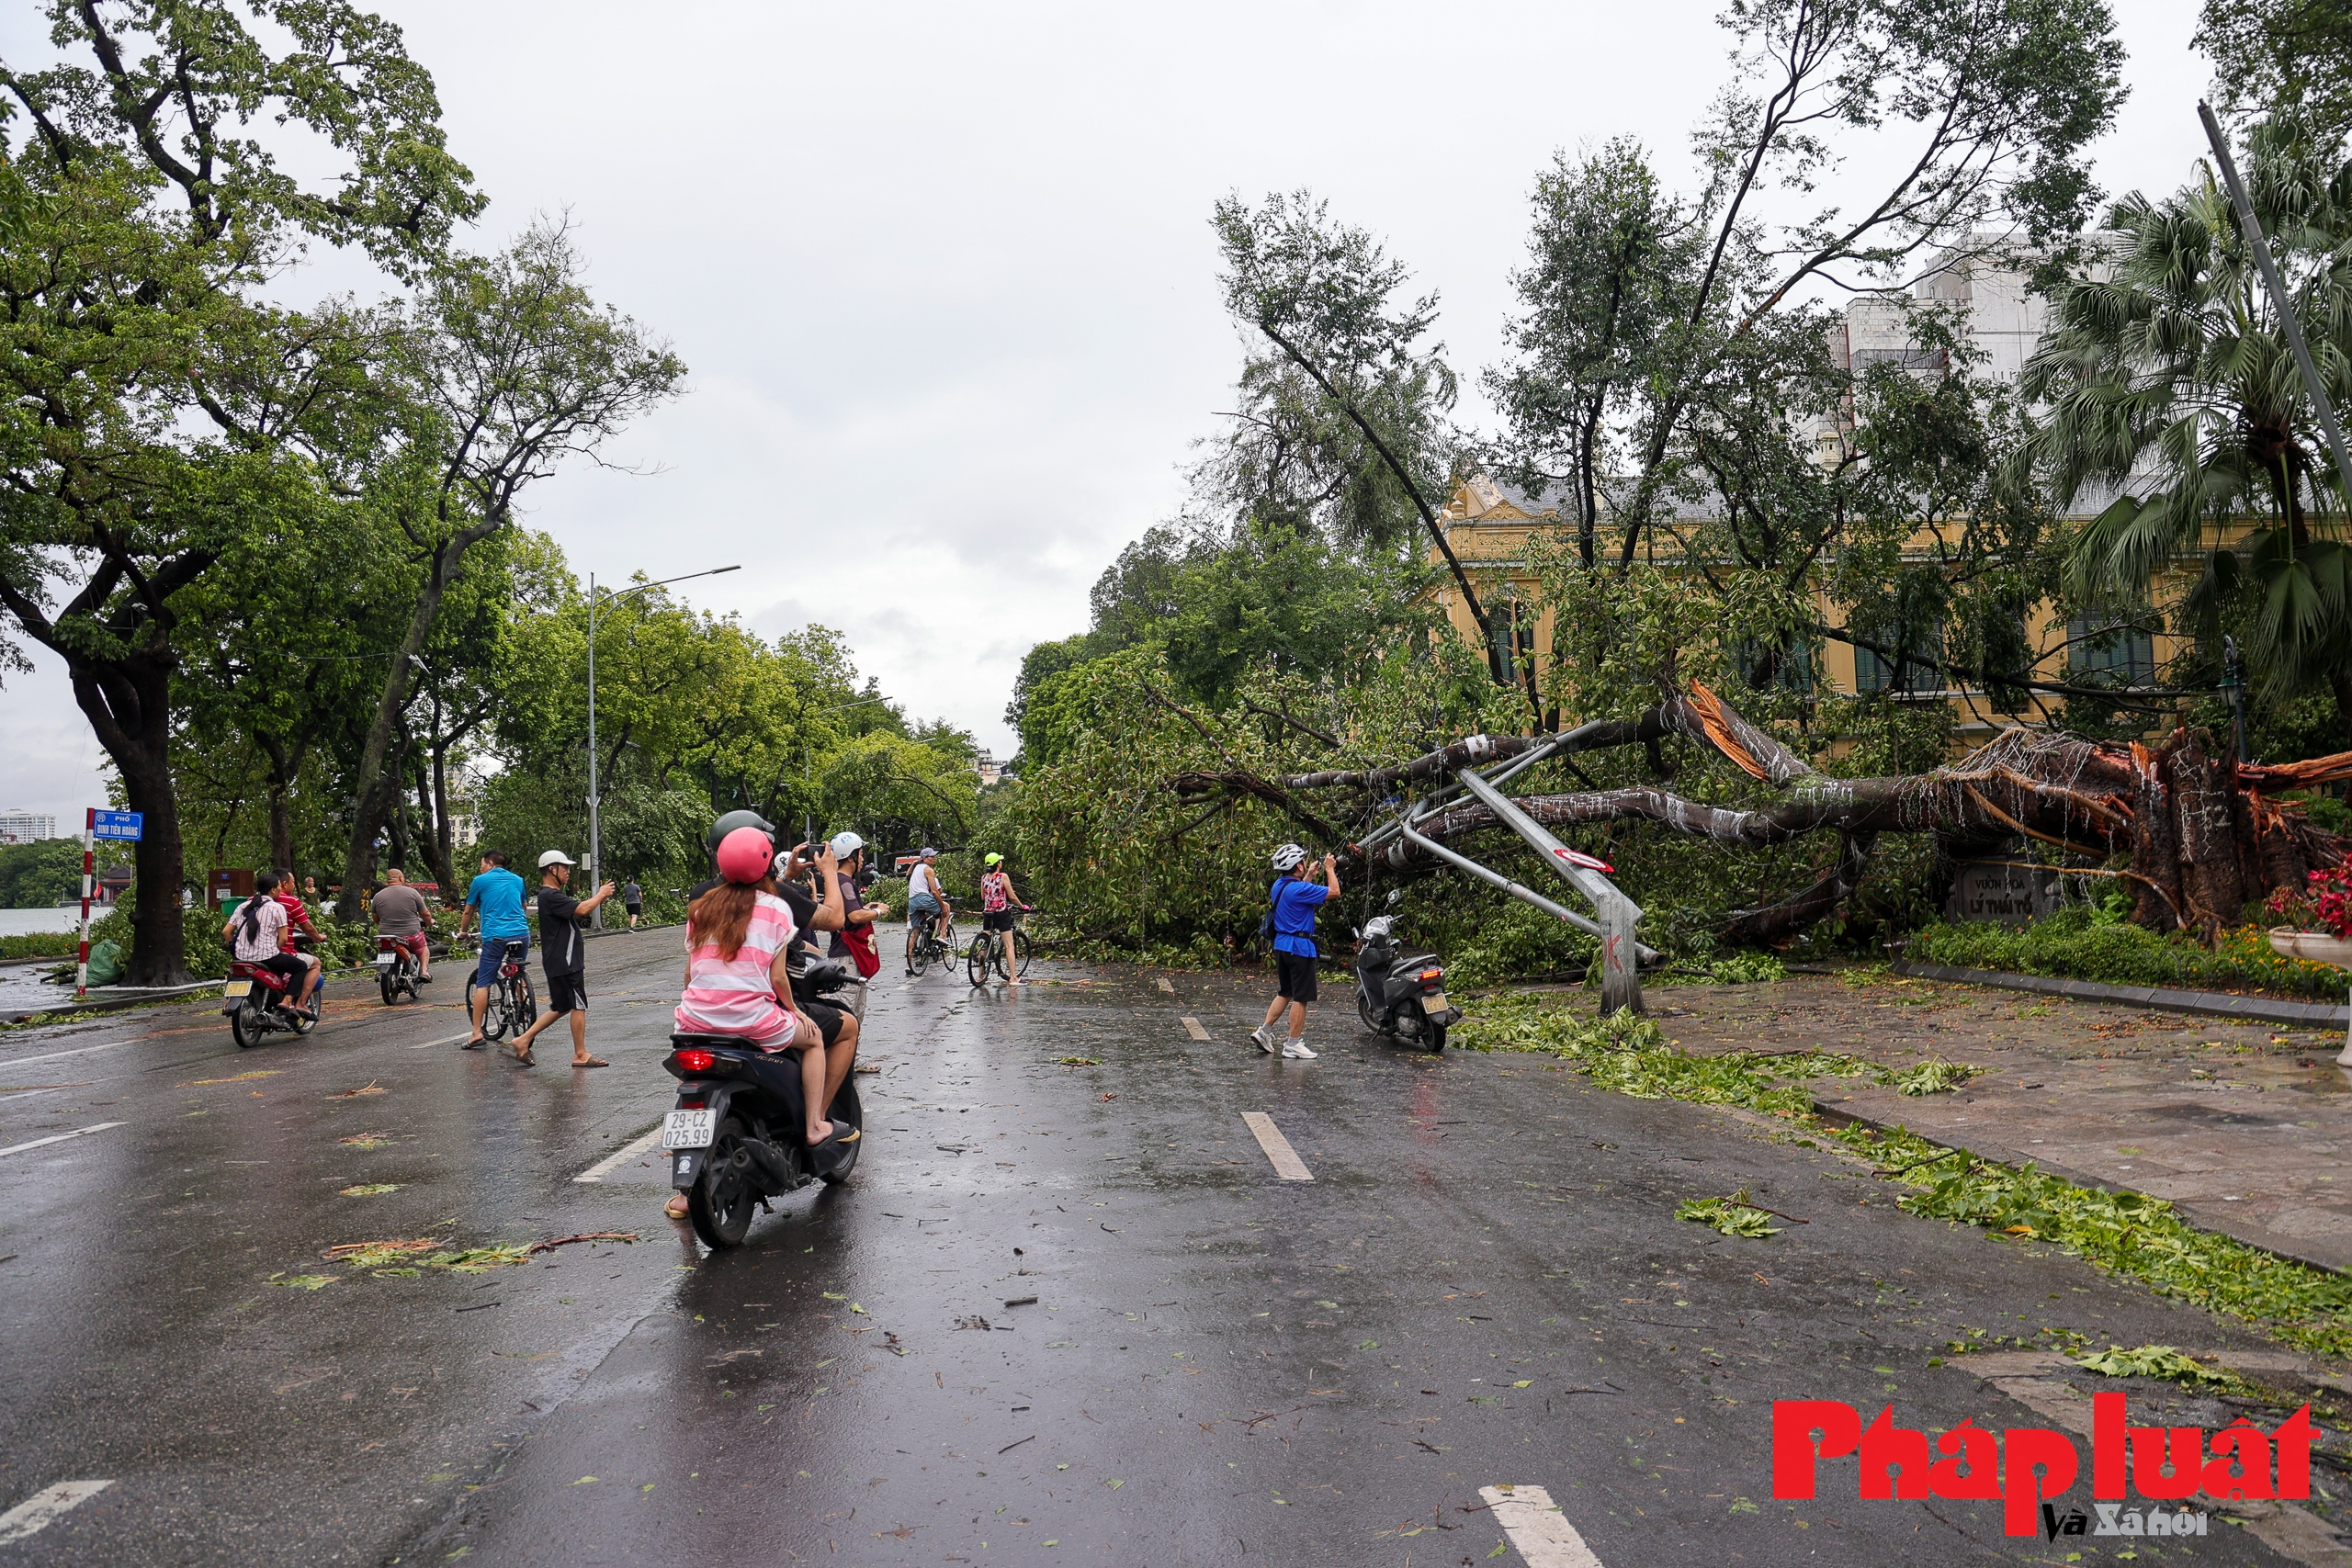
(298, 918)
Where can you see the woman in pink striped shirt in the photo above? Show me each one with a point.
(736, 983)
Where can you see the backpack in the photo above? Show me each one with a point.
(1266, 926)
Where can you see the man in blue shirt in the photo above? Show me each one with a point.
(497, 894)
(1296, 898)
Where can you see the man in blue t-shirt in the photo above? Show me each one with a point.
(496, 893)
(1296, 898)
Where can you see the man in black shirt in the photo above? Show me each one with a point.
(562, 920)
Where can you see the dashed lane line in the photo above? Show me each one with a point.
(78, 1051)
(628, 1152)
(61, 1138)
(452, 1040)
(37, 1512)
(1287, 1165)
(1192, 1027)
(1535, 1526)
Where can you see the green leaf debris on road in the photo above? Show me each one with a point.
(2129, 1234)
(1732, 1215)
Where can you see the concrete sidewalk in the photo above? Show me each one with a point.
(2244, 1127)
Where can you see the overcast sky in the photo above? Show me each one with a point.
(943, 278)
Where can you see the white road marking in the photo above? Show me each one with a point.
(628, 1151)
(1536, 1525)
(61, 1138)
(38, 1511)
(452, 1040)
(1192, 1027)
(1287, 1165)
(60, 1056)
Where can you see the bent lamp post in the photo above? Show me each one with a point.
(1622, 952)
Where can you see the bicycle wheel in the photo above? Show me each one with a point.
(919, 959)
(1021, 953)
(494, 1016)
(527, 1006)
(975, 961)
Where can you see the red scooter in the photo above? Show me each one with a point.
(260, 1002)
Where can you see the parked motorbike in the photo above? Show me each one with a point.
(397, 970)
(1400, 994)
(260, 1002)
(738, 1135)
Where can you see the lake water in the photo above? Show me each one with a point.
(24, 922)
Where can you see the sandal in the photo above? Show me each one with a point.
(476, 1044)
(523, 1058)
(676, 1207)
(593, 1061)
(843, 1133)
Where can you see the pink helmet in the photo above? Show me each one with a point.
(746, 856)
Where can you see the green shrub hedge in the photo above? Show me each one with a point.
(41, 944)
(2090, 944)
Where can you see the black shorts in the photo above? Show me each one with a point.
(825, 1016)
(634, 910)
(1296, 973)
(568, 993)
(997, 919)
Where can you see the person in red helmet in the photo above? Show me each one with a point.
(738, 937)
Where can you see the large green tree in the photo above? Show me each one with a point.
(2274, 54)
(2171, 388)
(159, 410)
(504, 368)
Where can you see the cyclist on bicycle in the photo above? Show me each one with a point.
(926, 903)
(1001, 911)
(497, 893)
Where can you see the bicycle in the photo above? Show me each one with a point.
(511, 1004)
(987, 953)
(928, 947)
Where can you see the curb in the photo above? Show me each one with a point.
(2164, 999)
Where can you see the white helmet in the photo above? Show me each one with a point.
(555, 857)
(1288, 856)
(846, 845)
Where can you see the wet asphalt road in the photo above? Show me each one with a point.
(1483, 1284)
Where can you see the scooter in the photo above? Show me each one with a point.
(255, 996)
(738, 1135)
(1399, 994)
(396, 971)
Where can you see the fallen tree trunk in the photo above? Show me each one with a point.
(2202, 837)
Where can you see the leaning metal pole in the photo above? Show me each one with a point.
(1621, 982)
(2288, 326)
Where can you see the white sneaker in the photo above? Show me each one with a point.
(1296, 1051)
(1264, 1036)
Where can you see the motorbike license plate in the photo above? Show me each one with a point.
(384, 961)
(237, 988)
(688, 1129)
(1435, 1001)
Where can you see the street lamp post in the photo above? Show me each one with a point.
(595, 799)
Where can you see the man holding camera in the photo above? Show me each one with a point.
(1292, 920)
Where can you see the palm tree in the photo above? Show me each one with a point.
(2166, 382)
